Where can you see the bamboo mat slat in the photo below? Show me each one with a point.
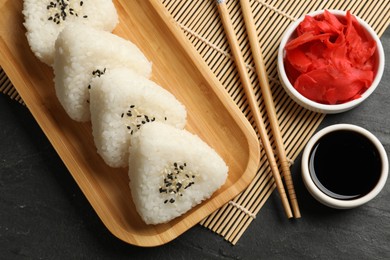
(201, 25)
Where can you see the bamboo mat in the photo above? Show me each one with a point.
(200, 23)
(7, 88)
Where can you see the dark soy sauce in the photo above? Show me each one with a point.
(345, 165)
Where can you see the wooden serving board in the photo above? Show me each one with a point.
(211, 114)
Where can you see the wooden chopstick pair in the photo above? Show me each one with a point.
(268, 100)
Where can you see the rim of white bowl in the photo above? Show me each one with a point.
(336, 203)
(315, 106)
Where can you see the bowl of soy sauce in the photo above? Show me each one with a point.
(344, 166)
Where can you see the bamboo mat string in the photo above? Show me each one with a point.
(276, 10)
(201, 25)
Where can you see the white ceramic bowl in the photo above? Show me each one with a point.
(324, 108)
(339, 203)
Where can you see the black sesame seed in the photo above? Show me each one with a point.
(85, 16)
(61, 9)
(166, 201)
(122, 115)
(171, 200)
(176, 179)
(81, 3)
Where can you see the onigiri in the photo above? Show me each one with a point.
(82, 53)
(121, 103)
(171, 170)
(44, 20)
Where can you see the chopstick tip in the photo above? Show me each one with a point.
(297, 213)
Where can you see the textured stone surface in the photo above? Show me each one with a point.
(44, 215)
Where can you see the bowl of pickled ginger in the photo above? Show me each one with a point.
(330, 61)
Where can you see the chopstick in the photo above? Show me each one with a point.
(269, 103)
(245, 80)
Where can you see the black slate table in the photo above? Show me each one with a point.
(44, 215)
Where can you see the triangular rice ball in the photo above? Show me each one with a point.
(83, 53)
(171, 171)
(121, 103)
(44, 20)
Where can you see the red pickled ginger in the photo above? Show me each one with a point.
(331, 61)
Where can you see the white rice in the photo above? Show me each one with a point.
(43, 26)
(81, 51)
(121, 102)
(154, 151)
